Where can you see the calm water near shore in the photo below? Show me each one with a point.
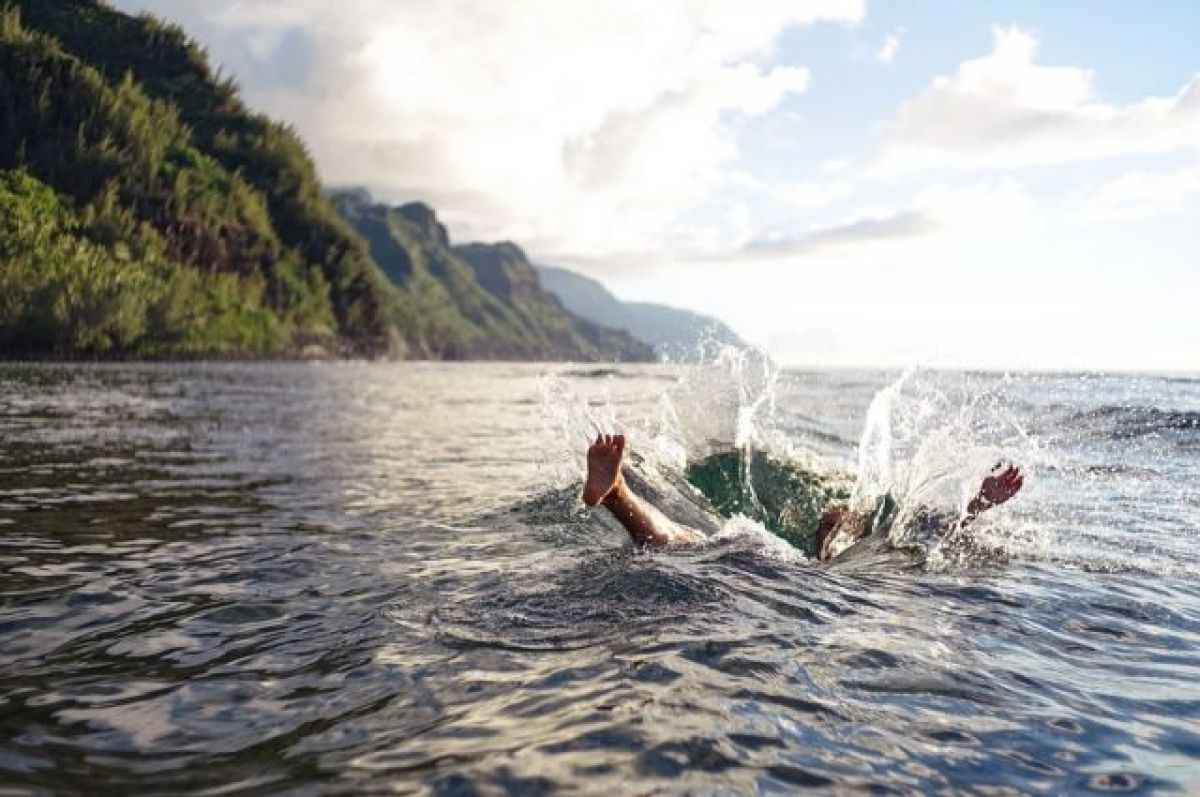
(355, 578)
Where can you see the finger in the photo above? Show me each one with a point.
(619, 440)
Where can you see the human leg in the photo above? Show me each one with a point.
(606, 486)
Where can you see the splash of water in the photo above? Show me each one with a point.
(728, 402)
(875, 473)
(929, 440)
(726, 406)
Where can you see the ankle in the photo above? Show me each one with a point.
(617, 496)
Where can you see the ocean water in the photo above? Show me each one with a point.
(357, 578)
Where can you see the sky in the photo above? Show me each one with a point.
(998, 184)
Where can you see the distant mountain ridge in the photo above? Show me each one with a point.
(674, 333)
(478, 301)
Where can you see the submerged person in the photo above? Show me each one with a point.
(839, 528)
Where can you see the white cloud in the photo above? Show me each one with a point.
(866, 230)
(973, 211)
(979, 210)
(577, 128)
(1146, 193)
(890, 47)
(795, 194)
(1005, 110)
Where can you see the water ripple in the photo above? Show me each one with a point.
(375, 586)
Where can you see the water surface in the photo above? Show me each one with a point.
(353, 578)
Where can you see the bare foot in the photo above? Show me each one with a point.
(1001, 484)
(604, 467)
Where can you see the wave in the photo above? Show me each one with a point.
(1126, 422)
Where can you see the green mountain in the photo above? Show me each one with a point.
(146, 211)
(674, 333)
(480, 300)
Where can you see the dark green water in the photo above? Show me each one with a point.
(785, 498)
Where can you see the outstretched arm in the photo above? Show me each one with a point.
(606, 486)
(1001, 484)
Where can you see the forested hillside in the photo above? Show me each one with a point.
(146, 211)
(481, 300)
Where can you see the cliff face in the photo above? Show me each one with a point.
(676, 334)
(146, 211)
(479, 301)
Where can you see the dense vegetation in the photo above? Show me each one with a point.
(147, 211)
(63, 293)
(137, 185)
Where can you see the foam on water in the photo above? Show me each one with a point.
(740, 529)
